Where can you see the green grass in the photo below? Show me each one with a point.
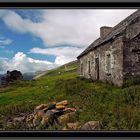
(114, 107)
(131, 81)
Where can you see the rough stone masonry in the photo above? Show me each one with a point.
(115, 55)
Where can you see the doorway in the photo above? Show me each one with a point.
(88, 67)
(97, 68)
(82, 69)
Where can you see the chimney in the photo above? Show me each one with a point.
(104, 31)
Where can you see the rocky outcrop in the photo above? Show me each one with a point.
(10, 77)
(13, 75)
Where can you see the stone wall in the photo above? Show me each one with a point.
(118, 59)
(113, 49)
(132, 57)
(132, 49)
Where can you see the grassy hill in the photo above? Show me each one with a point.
(114, 107)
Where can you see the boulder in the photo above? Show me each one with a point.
(50, 117)
(44, 121)
(45, 107)
(42, 106)
(63, 103)
(38, 117)
(56, 112)
(40, 113)
(91, 125)
(69, 110)
(73, 126)
(60, 107)
(64, 118)
(37, 120)
(51, 106)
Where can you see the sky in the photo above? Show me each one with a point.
(40, 39)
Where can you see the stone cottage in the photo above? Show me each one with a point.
(115, 55)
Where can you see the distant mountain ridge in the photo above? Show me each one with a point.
(28, 76)
(1, 75)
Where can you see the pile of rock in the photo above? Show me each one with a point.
(50, 114)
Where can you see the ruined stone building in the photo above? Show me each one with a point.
(115, 55)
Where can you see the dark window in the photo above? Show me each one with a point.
(136, 50)
(97, 68)
(108, 65)
(89, 67)
(81, 69)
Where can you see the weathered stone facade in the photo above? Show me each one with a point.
(115, 55)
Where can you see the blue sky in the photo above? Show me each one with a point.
(22, 42)
(34, 40)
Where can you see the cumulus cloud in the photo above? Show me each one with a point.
(77, 28)
(3, 64)
(63, 54)
(25, 64)
(72, 27)
(4, 41)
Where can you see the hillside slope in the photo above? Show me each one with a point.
(63, 66)
(114, 107)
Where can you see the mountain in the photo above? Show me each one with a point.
(0, 78)
(1, 75)
(28, 76)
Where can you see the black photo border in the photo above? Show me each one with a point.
(21, 4)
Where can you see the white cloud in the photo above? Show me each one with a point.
(63, 54)
(77, 28)
(3, 64)
(25, 64)
(4, 41)
(63, 59)
(73, 27)
(15, 22)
